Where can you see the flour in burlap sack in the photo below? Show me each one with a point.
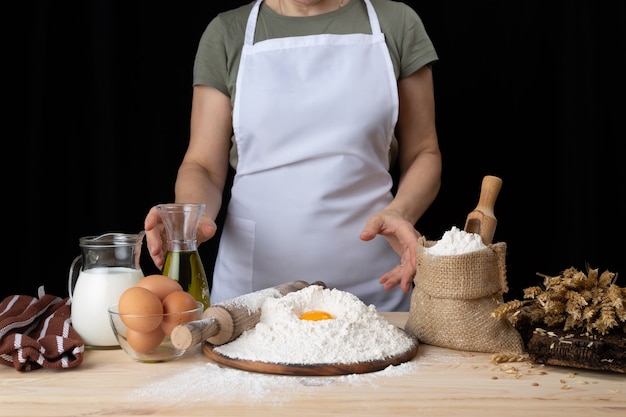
(454, 296)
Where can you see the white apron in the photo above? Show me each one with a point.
(313, 119)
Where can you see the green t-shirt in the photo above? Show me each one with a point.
(219, 50)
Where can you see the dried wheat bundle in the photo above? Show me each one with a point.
(575, 319)
(574, 300)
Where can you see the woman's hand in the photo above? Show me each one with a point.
(402, 237)
(156, 236)
(419, 177)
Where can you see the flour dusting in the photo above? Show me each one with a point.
(357, 333)
(214, 383)
(253, 301)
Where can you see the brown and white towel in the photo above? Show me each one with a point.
(37, 332)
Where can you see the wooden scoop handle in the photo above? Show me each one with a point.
(482, 219)
(224, 322)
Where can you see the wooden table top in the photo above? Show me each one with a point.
(437, 382)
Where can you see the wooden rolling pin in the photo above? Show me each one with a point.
(482, 220)
(224, 322)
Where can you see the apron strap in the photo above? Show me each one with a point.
(251, 25)
(374, 23)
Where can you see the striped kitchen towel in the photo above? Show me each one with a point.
(37, 332)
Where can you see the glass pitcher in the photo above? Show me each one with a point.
(107, 266)
(182, 261)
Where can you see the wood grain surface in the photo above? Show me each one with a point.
(436, 382)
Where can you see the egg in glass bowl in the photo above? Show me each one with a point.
(142, 323)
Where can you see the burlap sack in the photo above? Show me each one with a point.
(454, 296)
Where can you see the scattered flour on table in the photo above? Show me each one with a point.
(455, 242)
(357, 333)
(211, 382)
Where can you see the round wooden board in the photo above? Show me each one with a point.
(323, 369)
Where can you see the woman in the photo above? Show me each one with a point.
(305, 99)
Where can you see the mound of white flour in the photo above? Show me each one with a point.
(455, 242)
(357, 333)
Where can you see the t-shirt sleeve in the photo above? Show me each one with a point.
(211, 58)
(417, 49)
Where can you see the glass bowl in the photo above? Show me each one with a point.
(154, 346)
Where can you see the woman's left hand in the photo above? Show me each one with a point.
(402, 236)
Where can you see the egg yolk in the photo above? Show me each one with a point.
(316, 315)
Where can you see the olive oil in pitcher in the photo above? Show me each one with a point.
(182, 261)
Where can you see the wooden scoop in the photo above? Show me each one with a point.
(224, 322)
(482, 220)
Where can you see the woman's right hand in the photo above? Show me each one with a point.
(156, 235)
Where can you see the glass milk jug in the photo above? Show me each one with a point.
(107, 266)
(182, 261)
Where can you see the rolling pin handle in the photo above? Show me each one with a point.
(190, 334)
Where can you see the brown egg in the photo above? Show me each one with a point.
(161, 285)
(176, 310)
(140, 309)
(144, 342)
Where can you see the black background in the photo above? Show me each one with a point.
(530, 91)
